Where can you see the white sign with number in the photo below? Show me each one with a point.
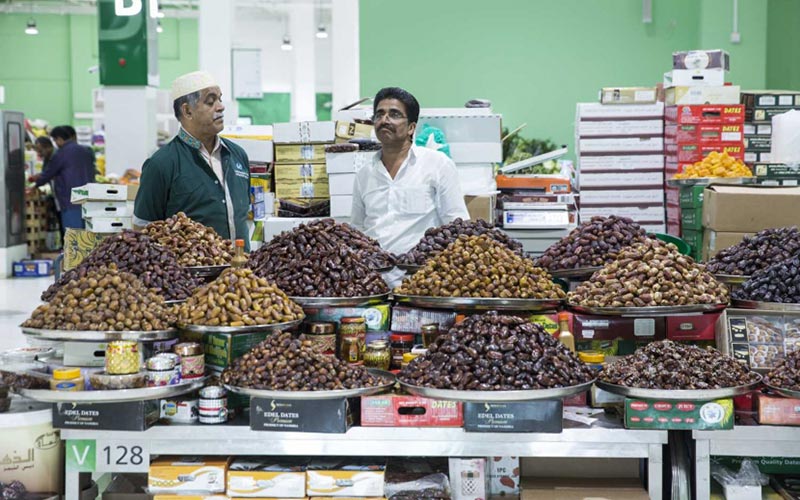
(122, 456)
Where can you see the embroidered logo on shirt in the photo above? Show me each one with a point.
(239, 171)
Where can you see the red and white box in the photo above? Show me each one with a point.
(623, 162)
(705, 114)
(469, 478)
(693, 152)
(410, 411)
(504, 476)
(702, 132)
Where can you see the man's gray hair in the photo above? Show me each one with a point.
(190, 99)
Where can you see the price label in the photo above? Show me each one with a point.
(122, 456)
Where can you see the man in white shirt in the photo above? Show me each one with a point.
(406, 189)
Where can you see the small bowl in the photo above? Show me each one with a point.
(102, 381)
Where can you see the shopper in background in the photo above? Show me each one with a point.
(406, 189)
(71, 166)
(197, 172)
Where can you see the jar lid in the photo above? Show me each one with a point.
(321, 328)
(66, 373)
(409, 357)
(212, 392)
(592, 356)
(378, 344)
(353, 319)
(127, 345)
(429, 328)
(169, 355)
(402, 337)
(188, 349)
(160, 363)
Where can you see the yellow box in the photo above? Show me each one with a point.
(351, 130)
(300, 153)
(191, 497)
(187, 474)
(264, 182)
(78, 244)
(302, 189)
(300, 172)
(329, 477)
(260, 478)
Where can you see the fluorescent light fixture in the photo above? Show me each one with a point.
(322, 32)
(287, 43)
(159, 29)
(31, 29)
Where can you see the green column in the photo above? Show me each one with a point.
(128, 43)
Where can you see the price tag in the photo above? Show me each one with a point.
(122, 456)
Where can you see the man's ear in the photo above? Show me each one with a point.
(186, 110)
(412, 127)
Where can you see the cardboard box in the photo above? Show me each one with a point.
(673, 196)
(671, 415)
(351, 130)
(108, 224)
(87, 354)
(337, 477)
(706, 94)
(690, 234)
(546, 184)
(106, 209)
(531, 416)
(691, 197)
(691, 219)
(348, 163)
(590, 327)
(628, 95)
(614, 178)
(103, 192)
(481, 207)
(209, 496)
(130, 416)
(642, 145)
(469, 478)
(79, 243)
(299, 153)
(596, 110)
(684, 78)
(637, 195)
(701, 59)
(749, 209)
(700, 133)
(757, 129)
(776, 171)
(287, 174)
(222, 348)
(262, 477)
(536, 219)
(341, 184)
(127, 487)
(758, 143)
(763, 115)
(771, 99)
(172, 474)
(714, 241)
(317, 188)
(761, 339)
(303, 132)
(330, 416)
(693, 152)
(639, 213)
(705, 113)
(636, 128)
(504, 476)
(394, 410)
(761, 181)
(341, 205)
(376, 316)
(32, 268)
(757, 157)
(582, 489)
(698, 327)
(778, 410)
(620, 162)
(257, 150)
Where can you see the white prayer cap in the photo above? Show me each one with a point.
(192, 82)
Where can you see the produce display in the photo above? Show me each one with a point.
(779, 282)
(787, 374)
(437, 239)
(193, 243)
(341, 148)
(650, 274)
(23, 381)
(491, 352)
(716, 164)
(283, 363)
(238, 298)
(756, 252)
(14, 490)
(138, 254)
(314, 260)
(479, 266)
(670, 365)
(104, 299)
(594, 243)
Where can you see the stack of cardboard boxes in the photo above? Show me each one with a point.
(759, 109)
(342, 169)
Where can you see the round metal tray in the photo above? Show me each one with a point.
(580, 272)
(340, 301)
(706, 181)
(765, 306)
(648, 311)
(118, 396)
(731, 279)
(410, 268)
(388, 383)
(789, 393)
(480, 303)
(275, 327)
(495, 396)
(207, 271)
(678, 394)
(99, 336)
(174, 302)
(384, 269)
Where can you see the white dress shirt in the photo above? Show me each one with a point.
(425, 193)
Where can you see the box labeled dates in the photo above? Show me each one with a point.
(532, 416)
(763, 115)
(694, 152)
(699, 133)
(410, 411)
(705, 113)
(776, 171)
(778, 410)
(332, 416)
(761, 339)
(758, 143)
(698, 327)
(591, 327)
(345, 476)
(672, 415)
(130, 416)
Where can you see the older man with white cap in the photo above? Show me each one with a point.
(197, 172)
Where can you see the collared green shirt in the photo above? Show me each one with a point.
(178, 179)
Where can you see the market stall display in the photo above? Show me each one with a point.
(785, 378)
(777, 283)
(756, 252)
(113, 395)
(192, 242)
(716, 164)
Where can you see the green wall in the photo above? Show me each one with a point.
(783, 42)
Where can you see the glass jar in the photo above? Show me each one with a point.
(429, 333)
(67, 380)
(378, 355)
(350, 351)
(322, 338)
(193, 364)
(122, 357)
(593, 359)
(353, 327)
(401, 344)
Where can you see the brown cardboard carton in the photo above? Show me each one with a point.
(480, 207)
(750, 209)
(582, 489)
(714, 242)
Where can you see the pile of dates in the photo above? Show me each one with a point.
(594, 243)
(238, 298)
(14, 490)
(779, 282)
(284, 363)
(366, 249)
(787, 374)
(438, 238)
(650, 274)
(492, 352)
(479, 266)
(313, 261)
(756, 252)
(105, 299)
(670, 365)
(193, 243)
(138, 254)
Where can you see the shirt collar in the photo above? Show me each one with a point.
(410, 159)
(195, 143)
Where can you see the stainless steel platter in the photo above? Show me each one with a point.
(275, 327)
(410, 268)
(99, 336)
(648, 311)
(678, 394)
(580, 272)
(479, 303)
(789, 393)
(706, 181)
(765, 306)
(119, 396)
(340, 301)
(731, 279)
(174, 302)
(495, 396)
(207, 271)
(384, 269)
(388, 383)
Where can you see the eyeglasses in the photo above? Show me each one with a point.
(393, 115)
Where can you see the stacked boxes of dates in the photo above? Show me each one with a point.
(760, 108)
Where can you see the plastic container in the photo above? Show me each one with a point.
(683, 247)
(402, 343)
(322, 338)
(122, 357)
(102, 381)
(67, 380)
(593, 359)
(193, 363)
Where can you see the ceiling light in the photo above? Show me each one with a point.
(31, 29)
(159, 29)
(287, 43)
(322, 32)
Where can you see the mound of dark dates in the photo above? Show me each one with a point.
(314, 261)
(492, 352)
(779, 282)
(23, 381)
(284, 363)
(138, 254)
(787, 374)
(14, 490)
(594, 243)
(756, 252)
(669, 365)
(437, 239)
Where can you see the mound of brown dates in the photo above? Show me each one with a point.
(492, 352)
(314, 262)
(284, 363)
(104, 299)
(366, 249)
(787, 374)
(779, 282)
(650, 274)
(136, 253)
(438, 238)
(238, 298)
(756, 252)
(670, 365)
(479, 266)
(193, 243)
(594, 243)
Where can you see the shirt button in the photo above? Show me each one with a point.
(216, 182)
(223, 201)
